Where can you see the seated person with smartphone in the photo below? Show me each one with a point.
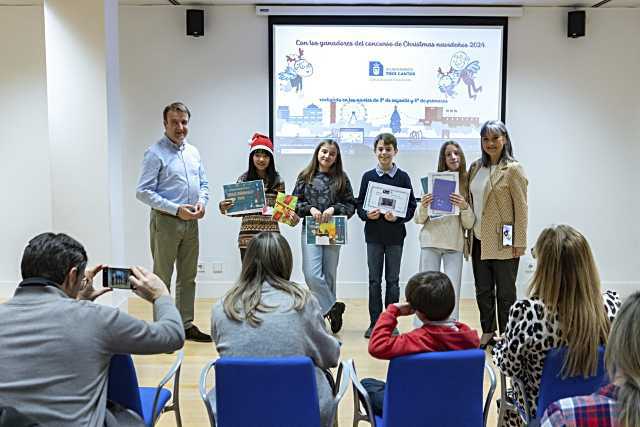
(57, 344)
(431, 297)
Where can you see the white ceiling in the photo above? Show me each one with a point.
(526, 3)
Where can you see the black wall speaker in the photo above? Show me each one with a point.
(576, 24)
(195, 22)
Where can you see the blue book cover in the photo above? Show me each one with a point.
(442, 189)
(248, 197)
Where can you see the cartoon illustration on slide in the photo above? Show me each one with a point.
(460, 70)
(297, 69)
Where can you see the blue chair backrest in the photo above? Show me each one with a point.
(123, 383)
(441, 389)
(265, 392)
(553, 387)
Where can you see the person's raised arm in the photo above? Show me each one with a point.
(126, 334)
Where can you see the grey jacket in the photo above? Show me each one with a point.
(55, 352)
(283, 332)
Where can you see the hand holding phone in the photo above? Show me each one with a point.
(116, 278)
(147, 285)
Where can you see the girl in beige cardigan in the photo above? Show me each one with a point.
(442, 239)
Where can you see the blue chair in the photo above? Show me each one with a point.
(266, 392)
(552, 386)
(441, 389)
(148, 402)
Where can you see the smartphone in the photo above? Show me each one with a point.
(116, 278)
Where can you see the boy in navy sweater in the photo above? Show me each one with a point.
(384, 233)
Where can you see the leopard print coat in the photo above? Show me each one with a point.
(531, 331)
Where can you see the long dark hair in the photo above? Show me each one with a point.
(272, 175)
(496, 127)
(340, 178)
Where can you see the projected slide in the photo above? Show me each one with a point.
(350, 83)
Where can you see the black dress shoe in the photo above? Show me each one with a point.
(335, 316)
(487, 340)
(195, 334)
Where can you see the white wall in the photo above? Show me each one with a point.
(24, 151)
(572, 110)
(575, 117)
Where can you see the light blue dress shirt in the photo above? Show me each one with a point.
(172, 176)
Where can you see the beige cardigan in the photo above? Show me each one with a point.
(505, 202)
(446, 232)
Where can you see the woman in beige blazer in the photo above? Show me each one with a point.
(498, 188)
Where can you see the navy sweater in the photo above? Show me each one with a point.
(381, 230)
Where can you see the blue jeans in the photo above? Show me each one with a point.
(320, 268)
(389, 256)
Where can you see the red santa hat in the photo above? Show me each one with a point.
(261, 142)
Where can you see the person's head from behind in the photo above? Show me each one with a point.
(495, 143)
(267, 259)
(55, 257)
(385, 147)
(431, 294)
(566, 280)
(622, 359)
(176, 118)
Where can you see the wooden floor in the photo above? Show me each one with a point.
(152, 368)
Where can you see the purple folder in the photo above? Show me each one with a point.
(442, 189)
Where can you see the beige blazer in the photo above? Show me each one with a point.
(505, 202)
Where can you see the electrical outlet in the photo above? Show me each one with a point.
(201, 268)
(218, 266)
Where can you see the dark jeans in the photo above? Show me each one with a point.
(375, 389)
(390, 256)
(495, 278)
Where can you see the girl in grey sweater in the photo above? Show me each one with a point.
(265, 314)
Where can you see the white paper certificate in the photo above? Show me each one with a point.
(387, 198)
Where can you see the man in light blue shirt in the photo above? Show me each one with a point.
(174, 184)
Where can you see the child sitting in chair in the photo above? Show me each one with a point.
(431, 297)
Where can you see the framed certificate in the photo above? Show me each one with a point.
(387, 198)
(248, 197)
(443, 184)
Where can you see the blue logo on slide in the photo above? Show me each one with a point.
(376, 69)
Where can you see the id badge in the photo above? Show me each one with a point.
(507, 235)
